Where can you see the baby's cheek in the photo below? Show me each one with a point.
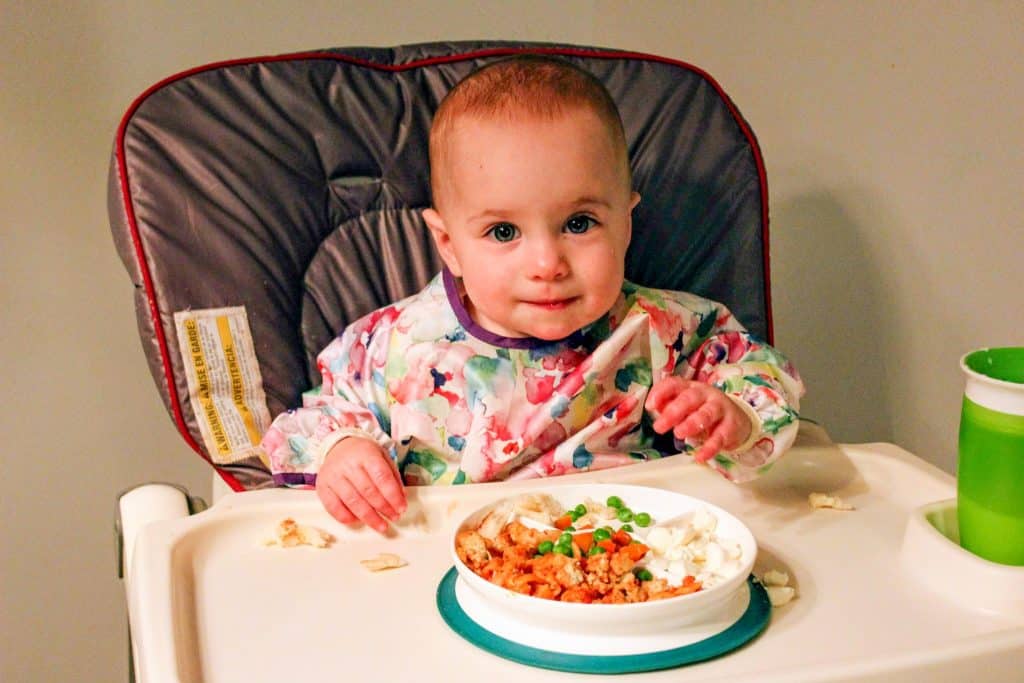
(481, 292)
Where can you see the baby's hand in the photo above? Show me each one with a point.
(698, 411)
(357, 483)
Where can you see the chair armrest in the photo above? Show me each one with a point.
(144, 504)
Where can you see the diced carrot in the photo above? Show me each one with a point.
(584, 540)
(621, 537)
(563, 522)
(578, 594)
(608, 544)
(689, 579)
(634, 551)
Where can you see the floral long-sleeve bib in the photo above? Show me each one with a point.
(453, 403)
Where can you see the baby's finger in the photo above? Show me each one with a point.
(385, 478)
(359, 506)
(701, 422)
(364, 483)
(679, 409)
(662, 393)
(709, 448)
(734, 432)
(334, 506)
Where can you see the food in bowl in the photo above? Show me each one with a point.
(722, 591)
(596, 552)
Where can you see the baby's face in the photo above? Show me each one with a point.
(535, 218)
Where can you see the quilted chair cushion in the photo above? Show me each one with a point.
(293, 186)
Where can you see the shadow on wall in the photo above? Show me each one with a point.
(828, 301)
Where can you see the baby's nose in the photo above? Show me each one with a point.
(547, 260)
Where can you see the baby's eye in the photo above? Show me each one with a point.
(579, 224)
(503, 232)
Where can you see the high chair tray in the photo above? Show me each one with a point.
(208, 601)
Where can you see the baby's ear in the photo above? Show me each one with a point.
(442, 240)
(634, 199)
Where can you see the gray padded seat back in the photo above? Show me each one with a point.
(294, 185)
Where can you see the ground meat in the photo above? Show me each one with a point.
(511, 560)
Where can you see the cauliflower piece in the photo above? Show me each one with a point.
(703, 521)
(775, 584)
(714, 558)
(539, 507)
(659, 539)
(598, 514)
(780, 595)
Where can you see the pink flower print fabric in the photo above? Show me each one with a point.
(453, 403)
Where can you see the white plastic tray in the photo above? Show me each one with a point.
(209, 603)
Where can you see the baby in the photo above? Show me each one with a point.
(530, 355)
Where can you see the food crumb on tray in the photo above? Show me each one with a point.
(383, 561)
(825, 500)
(291, 534)
(780, 595)
(775, 585)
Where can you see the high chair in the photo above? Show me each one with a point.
(260, 205)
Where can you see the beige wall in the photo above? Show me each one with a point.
(894, 152)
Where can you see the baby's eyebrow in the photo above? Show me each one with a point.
(591, 201)
(503, 215)
(489, 214)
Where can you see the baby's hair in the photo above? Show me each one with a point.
(525, 85)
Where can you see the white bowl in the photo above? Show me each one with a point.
(610, 619)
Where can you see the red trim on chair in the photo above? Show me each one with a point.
(122, 172)
(154, 311)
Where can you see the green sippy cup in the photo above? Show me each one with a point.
(990, 471)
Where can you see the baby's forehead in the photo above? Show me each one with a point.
(521, 91)
(463, 128)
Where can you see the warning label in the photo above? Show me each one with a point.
(224, 381)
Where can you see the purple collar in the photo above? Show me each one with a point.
(451, 288)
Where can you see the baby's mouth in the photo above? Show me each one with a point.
(552, 304)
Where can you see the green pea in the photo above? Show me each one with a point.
(565, 538)
(580, 510)
(629, 527)
(625, 515)
(601, 534)
(545, 547)
(642, 519)
(643, 574)
(596, 550)
(614, 502)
